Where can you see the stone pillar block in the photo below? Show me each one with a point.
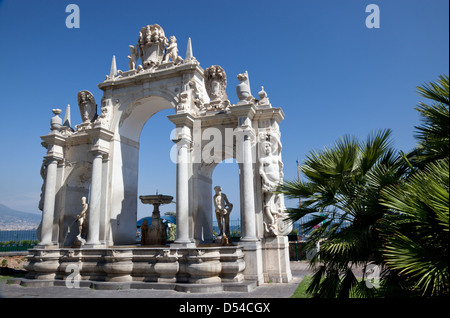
(276, 259)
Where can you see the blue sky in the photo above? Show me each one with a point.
(316, 59)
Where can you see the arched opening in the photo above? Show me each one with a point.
(131, 165)
(157, 172)
(226, 175)
(78, 183)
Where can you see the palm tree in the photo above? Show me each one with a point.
(415, 230)
(416, 233)
(395, 207)
(433, 134)
(341, 191)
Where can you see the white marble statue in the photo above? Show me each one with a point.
(82, 223)
(105, 115)
(172, 51)
(272, 175)
(133, 57)
(216, 84)
(223, 209)
(243, 89)
(88, 109)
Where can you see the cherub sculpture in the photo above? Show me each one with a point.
(172, 51)
(133, 57)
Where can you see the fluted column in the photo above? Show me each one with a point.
(183, 138)
(249, 194)
(48, 210)
(101, 138)
(182, 195)
(95, 200)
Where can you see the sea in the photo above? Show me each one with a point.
(18, 235)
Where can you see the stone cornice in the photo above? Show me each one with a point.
(247, 110)
(145, 76)
(53, 139)
(182, 119)
(101, 138)
(270, 113)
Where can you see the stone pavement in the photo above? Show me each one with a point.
(269, 290)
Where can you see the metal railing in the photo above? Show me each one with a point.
(17, 240)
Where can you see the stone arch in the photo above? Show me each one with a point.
(77, 183)
(136, 111)
(132, 115)
(203, 182)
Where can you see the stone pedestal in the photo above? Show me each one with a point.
(276, 259)
(253, 261)
(204, 266)
(118, 265)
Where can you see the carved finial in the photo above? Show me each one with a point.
(56, 121)
(263, 99)
(113, 70)
(66, 121)
(189, 54)
(262, 94)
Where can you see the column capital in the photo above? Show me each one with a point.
(97, 152)
(247, 110)
(182, 120)
(101, 138)
(54, 144)
(53, 139)
(100, 132)
(270, 113)
(183, 141)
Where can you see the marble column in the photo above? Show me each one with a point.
(249, 195)
(182, 195)
(48, 210)
(95, 200)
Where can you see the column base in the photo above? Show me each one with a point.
(182, 244)
(93, 245)
(253, 261)
(248, 240)
(47, 246)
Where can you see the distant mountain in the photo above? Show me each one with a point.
(11, 219)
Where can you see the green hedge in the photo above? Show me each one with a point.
(12, 246)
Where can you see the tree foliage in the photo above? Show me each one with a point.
(379, 206)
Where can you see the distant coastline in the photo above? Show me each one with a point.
(13, 220)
